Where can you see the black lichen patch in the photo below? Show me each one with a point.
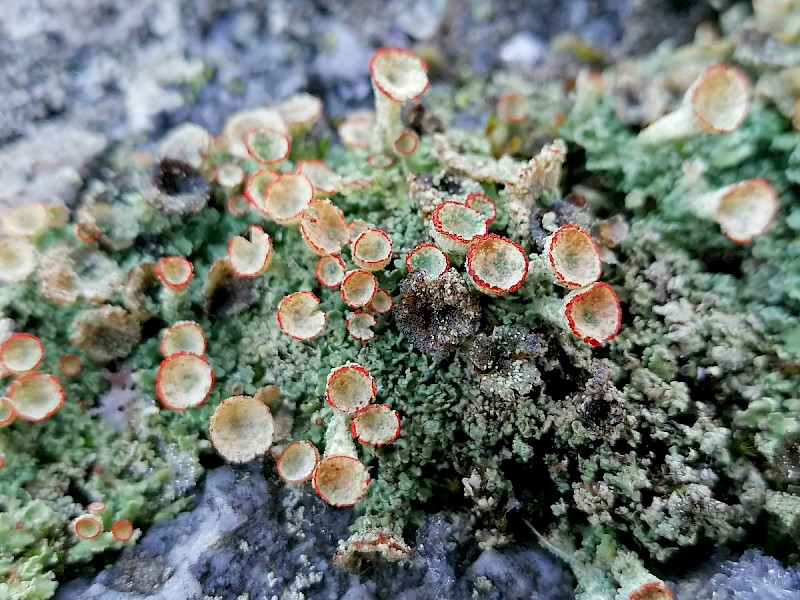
(182, 190)
(437, 316)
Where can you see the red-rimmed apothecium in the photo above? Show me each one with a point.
(70, 365)
(382, 303)
(349, 388)
(175, 272)
(87, 527)
(428, 259)
(497, 265)
(122, 530)
(398, 76)
(36, 396)
(341, 480)
(358, 288)
(183, 381)
(250, 256)
(376, 425)
(572, 256)
(297, 462)
(330, 271)
(299, 316)
(183, 336)
(8, 413)
(97, 507)
(455, 226)
(20, 353)
(287, 197)
(241, 428)
(256, 188)
(240, 124)
(267, 146)
(359, 326)
(372, 250)
(593, 313)
(324, 228)
(406, 143)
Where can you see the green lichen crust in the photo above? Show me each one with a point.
(677, 433)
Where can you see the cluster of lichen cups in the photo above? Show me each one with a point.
(34, 396)
(249, 160)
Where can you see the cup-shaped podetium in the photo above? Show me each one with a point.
(241, 428)
(88, 526)
(330, 271)
(359, 288)
(360, 325)
(341, 480)
(299, 316)
(372, 250)
(175, 272)
(286, 198)
(717, 102)
(349, 388)
(183, 381)
(572, 256)
(743, 210)
(297, 462)
(20, 353)
(183, 336)
(250, 256)
(593, 313)
(36, 396)
(324, 228)
(429, 259)
(497, 265)
(376, 425)
(455, 226)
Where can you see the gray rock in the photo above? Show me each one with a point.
(753, 576)
(48, 165)
(523, 51)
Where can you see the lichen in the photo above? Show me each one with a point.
(679, 433)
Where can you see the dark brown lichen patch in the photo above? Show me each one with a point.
(181, 189)
(105, 333)
(437, 316)
(600, 408)
(226, 294)
(490, 353)
(140, 294)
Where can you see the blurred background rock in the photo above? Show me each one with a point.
(76, 74)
